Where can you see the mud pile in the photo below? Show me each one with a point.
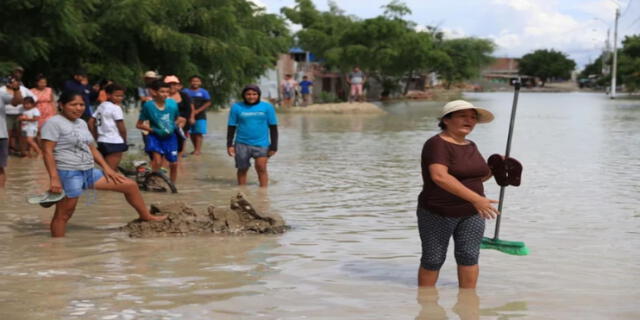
(240, 218)
(345, 107)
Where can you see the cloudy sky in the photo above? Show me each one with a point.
(576, 27)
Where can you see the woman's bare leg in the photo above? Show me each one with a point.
(261, 170)
(132, 194)
(427, 278)
(468, 276)
(64, 211)
(242, 176)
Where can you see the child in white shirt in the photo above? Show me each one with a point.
(107, 126)
(29, 124)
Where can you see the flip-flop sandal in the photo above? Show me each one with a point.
(514, 171)
(46, 199)
(496, 164)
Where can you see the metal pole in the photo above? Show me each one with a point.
(615, 57)
(507, 152)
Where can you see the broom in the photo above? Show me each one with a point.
(509, 247)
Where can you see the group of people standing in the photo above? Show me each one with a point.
(169, 114)
(290, 89)
(452, 202)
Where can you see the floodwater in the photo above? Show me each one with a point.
(347, 184)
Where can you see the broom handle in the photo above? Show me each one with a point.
(507, 152)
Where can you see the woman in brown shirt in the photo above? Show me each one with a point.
(452, 201)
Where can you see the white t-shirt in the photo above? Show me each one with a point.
(106, 116)
(11, 109)
(30, 114)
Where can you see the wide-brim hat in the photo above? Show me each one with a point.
(151, 74)
(484, 115)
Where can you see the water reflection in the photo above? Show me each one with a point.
(467, 306)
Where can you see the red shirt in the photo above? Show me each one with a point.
(465, 163)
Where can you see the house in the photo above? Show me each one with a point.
(505, 71)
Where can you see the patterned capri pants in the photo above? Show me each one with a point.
(435, 232)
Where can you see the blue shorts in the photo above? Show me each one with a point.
(244, 153)
(165, 146)
(200, 127)
(74, 181)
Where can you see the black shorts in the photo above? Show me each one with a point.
(109, 148)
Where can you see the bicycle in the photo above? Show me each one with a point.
(149, 180)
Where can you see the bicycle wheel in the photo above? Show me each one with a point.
(158, 182)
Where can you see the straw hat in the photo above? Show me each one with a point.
(484, 115)
(151, 74)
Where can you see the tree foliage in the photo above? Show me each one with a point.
(546, 64)
(387, 47)
(228, 42)
(629, 62)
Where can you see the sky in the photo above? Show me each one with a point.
(575, 27)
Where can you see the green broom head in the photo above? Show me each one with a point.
(515, 248)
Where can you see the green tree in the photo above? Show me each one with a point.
(629, 63)
(546, 64)
(463, 58)
(387, 47)
(228, 42)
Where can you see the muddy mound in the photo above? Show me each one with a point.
(240, 218)
(345, 107)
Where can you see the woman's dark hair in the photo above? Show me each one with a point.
(251, 87)
(28, 99)
(441, 124)
(40, 76)
(67, 96)
(157, 84)
(113, 87)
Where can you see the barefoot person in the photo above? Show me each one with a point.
(256, 126)
(164, 118)
(452, 201)
(29, 126)
(69, 153)
(201, 102)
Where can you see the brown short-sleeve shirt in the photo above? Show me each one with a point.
(465, 163)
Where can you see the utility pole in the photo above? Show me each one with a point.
(615, 56)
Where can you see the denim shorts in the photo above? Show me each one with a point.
(165, 146)
(200, 127)
(74, 181)
(244, 153)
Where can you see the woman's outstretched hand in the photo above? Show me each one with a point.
(113, 176)
(485, 208)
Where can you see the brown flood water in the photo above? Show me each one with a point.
(347, 184)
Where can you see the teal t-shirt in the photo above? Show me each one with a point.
(252, 122)
(163, 122)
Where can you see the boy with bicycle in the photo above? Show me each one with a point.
(163, 116)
